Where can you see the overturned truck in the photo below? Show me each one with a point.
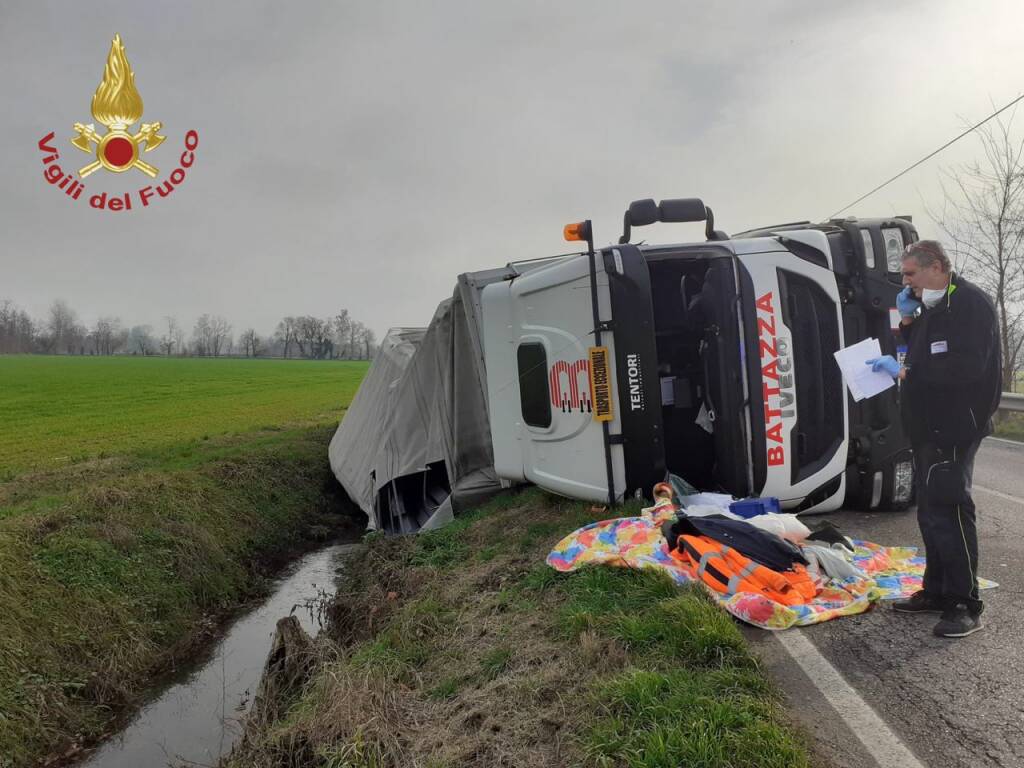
(594, 374)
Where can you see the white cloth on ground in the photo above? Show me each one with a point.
(703, 510)
(782, 524)
(721, 500)
(831, 562)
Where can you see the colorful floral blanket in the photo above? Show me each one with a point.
(636, 542)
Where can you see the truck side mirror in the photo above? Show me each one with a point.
(640, 214)
(684, 209)
(644, 212)
(709, 229)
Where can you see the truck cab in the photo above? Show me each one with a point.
(607, 369)
(867, 266)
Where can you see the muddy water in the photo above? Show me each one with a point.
(197, 718)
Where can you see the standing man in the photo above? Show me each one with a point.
(952, 380)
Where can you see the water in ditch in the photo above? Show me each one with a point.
(196, 719)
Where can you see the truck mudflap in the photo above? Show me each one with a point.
(636, 361)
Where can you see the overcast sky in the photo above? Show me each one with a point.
(361, 155)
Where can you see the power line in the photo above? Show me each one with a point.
(929, 156)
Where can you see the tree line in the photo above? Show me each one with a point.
(296, 336)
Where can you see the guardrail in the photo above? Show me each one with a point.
(1011, 401)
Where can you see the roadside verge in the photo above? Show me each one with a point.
(112, 570)
(460, 647)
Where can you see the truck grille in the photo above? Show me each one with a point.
(811, 317)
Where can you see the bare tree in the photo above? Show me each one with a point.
(220, 335)
(141, 341)
(342, 322)
(251, 343)
(178, 334)
(78, 339)
(61, 326)
(314, 337)
(983, 216)
(355, 335)
(171, 337)
(17, 331)
(368, 338)
(107, 336)
(202, 337)
(285, 334)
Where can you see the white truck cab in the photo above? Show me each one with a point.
(712, 360)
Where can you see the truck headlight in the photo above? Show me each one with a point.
(893, 239)
(903, 482)
(869, 248)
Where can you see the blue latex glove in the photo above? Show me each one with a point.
(885, 363)
(907, 303)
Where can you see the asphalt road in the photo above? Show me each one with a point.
(952, 702)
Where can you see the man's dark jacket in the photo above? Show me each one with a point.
(954, 381)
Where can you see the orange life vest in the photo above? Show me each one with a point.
(727, 571)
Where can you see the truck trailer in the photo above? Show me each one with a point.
(594, 374)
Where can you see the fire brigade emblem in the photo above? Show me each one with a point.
(117, 105)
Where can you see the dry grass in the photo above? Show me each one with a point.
(460, 648)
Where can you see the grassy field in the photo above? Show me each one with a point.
(461, 647)
(141, 500)
(56, 410)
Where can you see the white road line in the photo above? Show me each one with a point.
(1016, 443)
(1000, 494)
(880, 742)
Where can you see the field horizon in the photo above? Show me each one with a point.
(59, 410)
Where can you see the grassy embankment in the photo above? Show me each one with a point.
(1011, 427)
(140, 499)
(460, 647)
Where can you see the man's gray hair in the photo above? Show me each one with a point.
(928, 252)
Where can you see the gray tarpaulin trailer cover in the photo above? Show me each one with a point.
(414, 446)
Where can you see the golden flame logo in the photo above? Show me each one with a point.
(117, 105)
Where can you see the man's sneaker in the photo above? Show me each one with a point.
(958, 621)
(919, 602)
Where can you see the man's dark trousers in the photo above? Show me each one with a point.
(948, 528)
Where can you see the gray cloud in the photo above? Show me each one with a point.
(361, 155)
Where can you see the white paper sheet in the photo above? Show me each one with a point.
(862, 381)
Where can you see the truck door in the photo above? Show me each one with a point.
(549, 388)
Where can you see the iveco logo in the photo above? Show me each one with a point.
(636, 383)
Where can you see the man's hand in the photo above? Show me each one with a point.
(885, 363)
(907, 303)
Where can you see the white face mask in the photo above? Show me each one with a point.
(932, 296)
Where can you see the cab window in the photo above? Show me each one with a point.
(535, 397)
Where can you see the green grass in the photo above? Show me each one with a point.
(59, 410)
(140, 500)
(1011, 427)
(691, 694)
(499, 659)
